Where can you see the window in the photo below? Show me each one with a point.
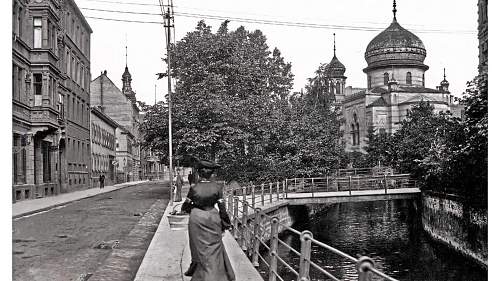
(337, 88)
(386, 78)
(14, 80)
(37, 32)
(369, 82)
(357, 133)
(20, 21)
(353, 133)
(68, 63)
(408, 78)
(423, 79)
(37, 87)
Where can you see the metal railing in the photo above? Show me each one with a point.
(251, 224)
(349, 183)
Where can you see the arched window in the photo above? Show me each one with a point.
(386, 78)
(353, 133)
(408, 78)
(337, 87)
(357, 133)
(369, 82)
(423, 79)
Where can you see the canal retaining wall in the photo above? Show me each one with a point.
(449, 220)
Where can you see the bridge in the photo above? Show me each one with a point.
(259, 214)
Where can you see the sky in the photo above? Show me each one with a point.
(448, 29)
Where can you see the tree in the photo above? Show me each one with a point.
(228, 83)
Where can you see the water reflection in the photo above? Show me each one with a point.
(390, 232)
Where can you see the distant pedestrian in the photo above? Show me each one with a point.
(101, 181)
(178, 188)
(190, 178)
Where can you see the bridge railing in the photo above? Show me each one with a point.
(349, 183)
(251, 230)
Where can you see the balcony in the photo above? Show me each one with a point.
(45, 116)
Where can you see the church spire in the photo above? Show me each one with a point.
(394, 10)
(334, 46)
(444, 73)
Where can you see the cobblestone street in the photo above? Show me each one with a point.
(100, 238)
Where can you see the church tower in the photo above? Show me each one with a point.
(335, 76)
(127, 81)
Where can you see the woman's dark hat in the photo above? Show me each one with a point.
(207, 164)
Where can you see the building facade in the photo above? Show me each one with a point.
(482, 35)
(395, 83)
(120, 105)
(103, 142)
(126, 166)
(50, 98)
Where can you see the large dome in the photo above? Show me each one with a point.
(395, 46)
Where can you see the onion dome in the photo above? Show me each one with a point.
(335, 68)
(126, 74)
(395, 46)
(445, 82)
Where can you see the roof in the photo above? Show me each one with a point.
(378, 103)
(404, 89)
(395, 46)
(96, 111)
(335, 68)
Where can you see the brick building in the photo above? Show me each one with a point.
(120, 105)
(103, 142)
(50, 98)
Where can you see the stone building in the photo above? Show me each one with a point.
(102, 135)
(126, 161)
(395, 82)
(121, 106)
(50, 98)
(482, 35)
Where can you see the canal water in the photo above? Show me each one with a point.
(390, 232)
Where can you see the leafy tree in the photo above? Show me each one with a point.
(228, 85)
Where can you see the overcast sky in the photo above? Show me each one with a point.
(448, 29)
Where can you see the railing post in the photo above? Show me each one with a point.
(385, 183)
(253, 197)
(326, 183)
(283, 196)
(270, 192)
(262, 194)
(350, 181)
(312, 187)
(286, 190)
(230, 201)
(235, 218)
(256, 235)
(273, 263)
(303, 183)
(305, 255)
(295, 183)
(363, 266)
(244, 190)
(244, 226)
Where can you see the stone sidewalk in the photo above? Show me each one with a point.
(28, 207)
(168, 255)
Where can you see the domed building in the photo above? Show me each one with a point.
(395, 82)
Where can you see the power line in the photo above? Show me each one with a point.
(270, 22)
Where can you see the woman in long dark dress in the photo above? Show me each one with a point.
(209, 260)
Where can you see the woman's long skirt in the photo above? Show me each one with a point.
(207, 250)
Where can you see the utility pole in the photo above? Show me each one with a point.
(167, 17)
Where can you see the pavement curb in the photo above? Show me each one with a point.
(27, 213)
